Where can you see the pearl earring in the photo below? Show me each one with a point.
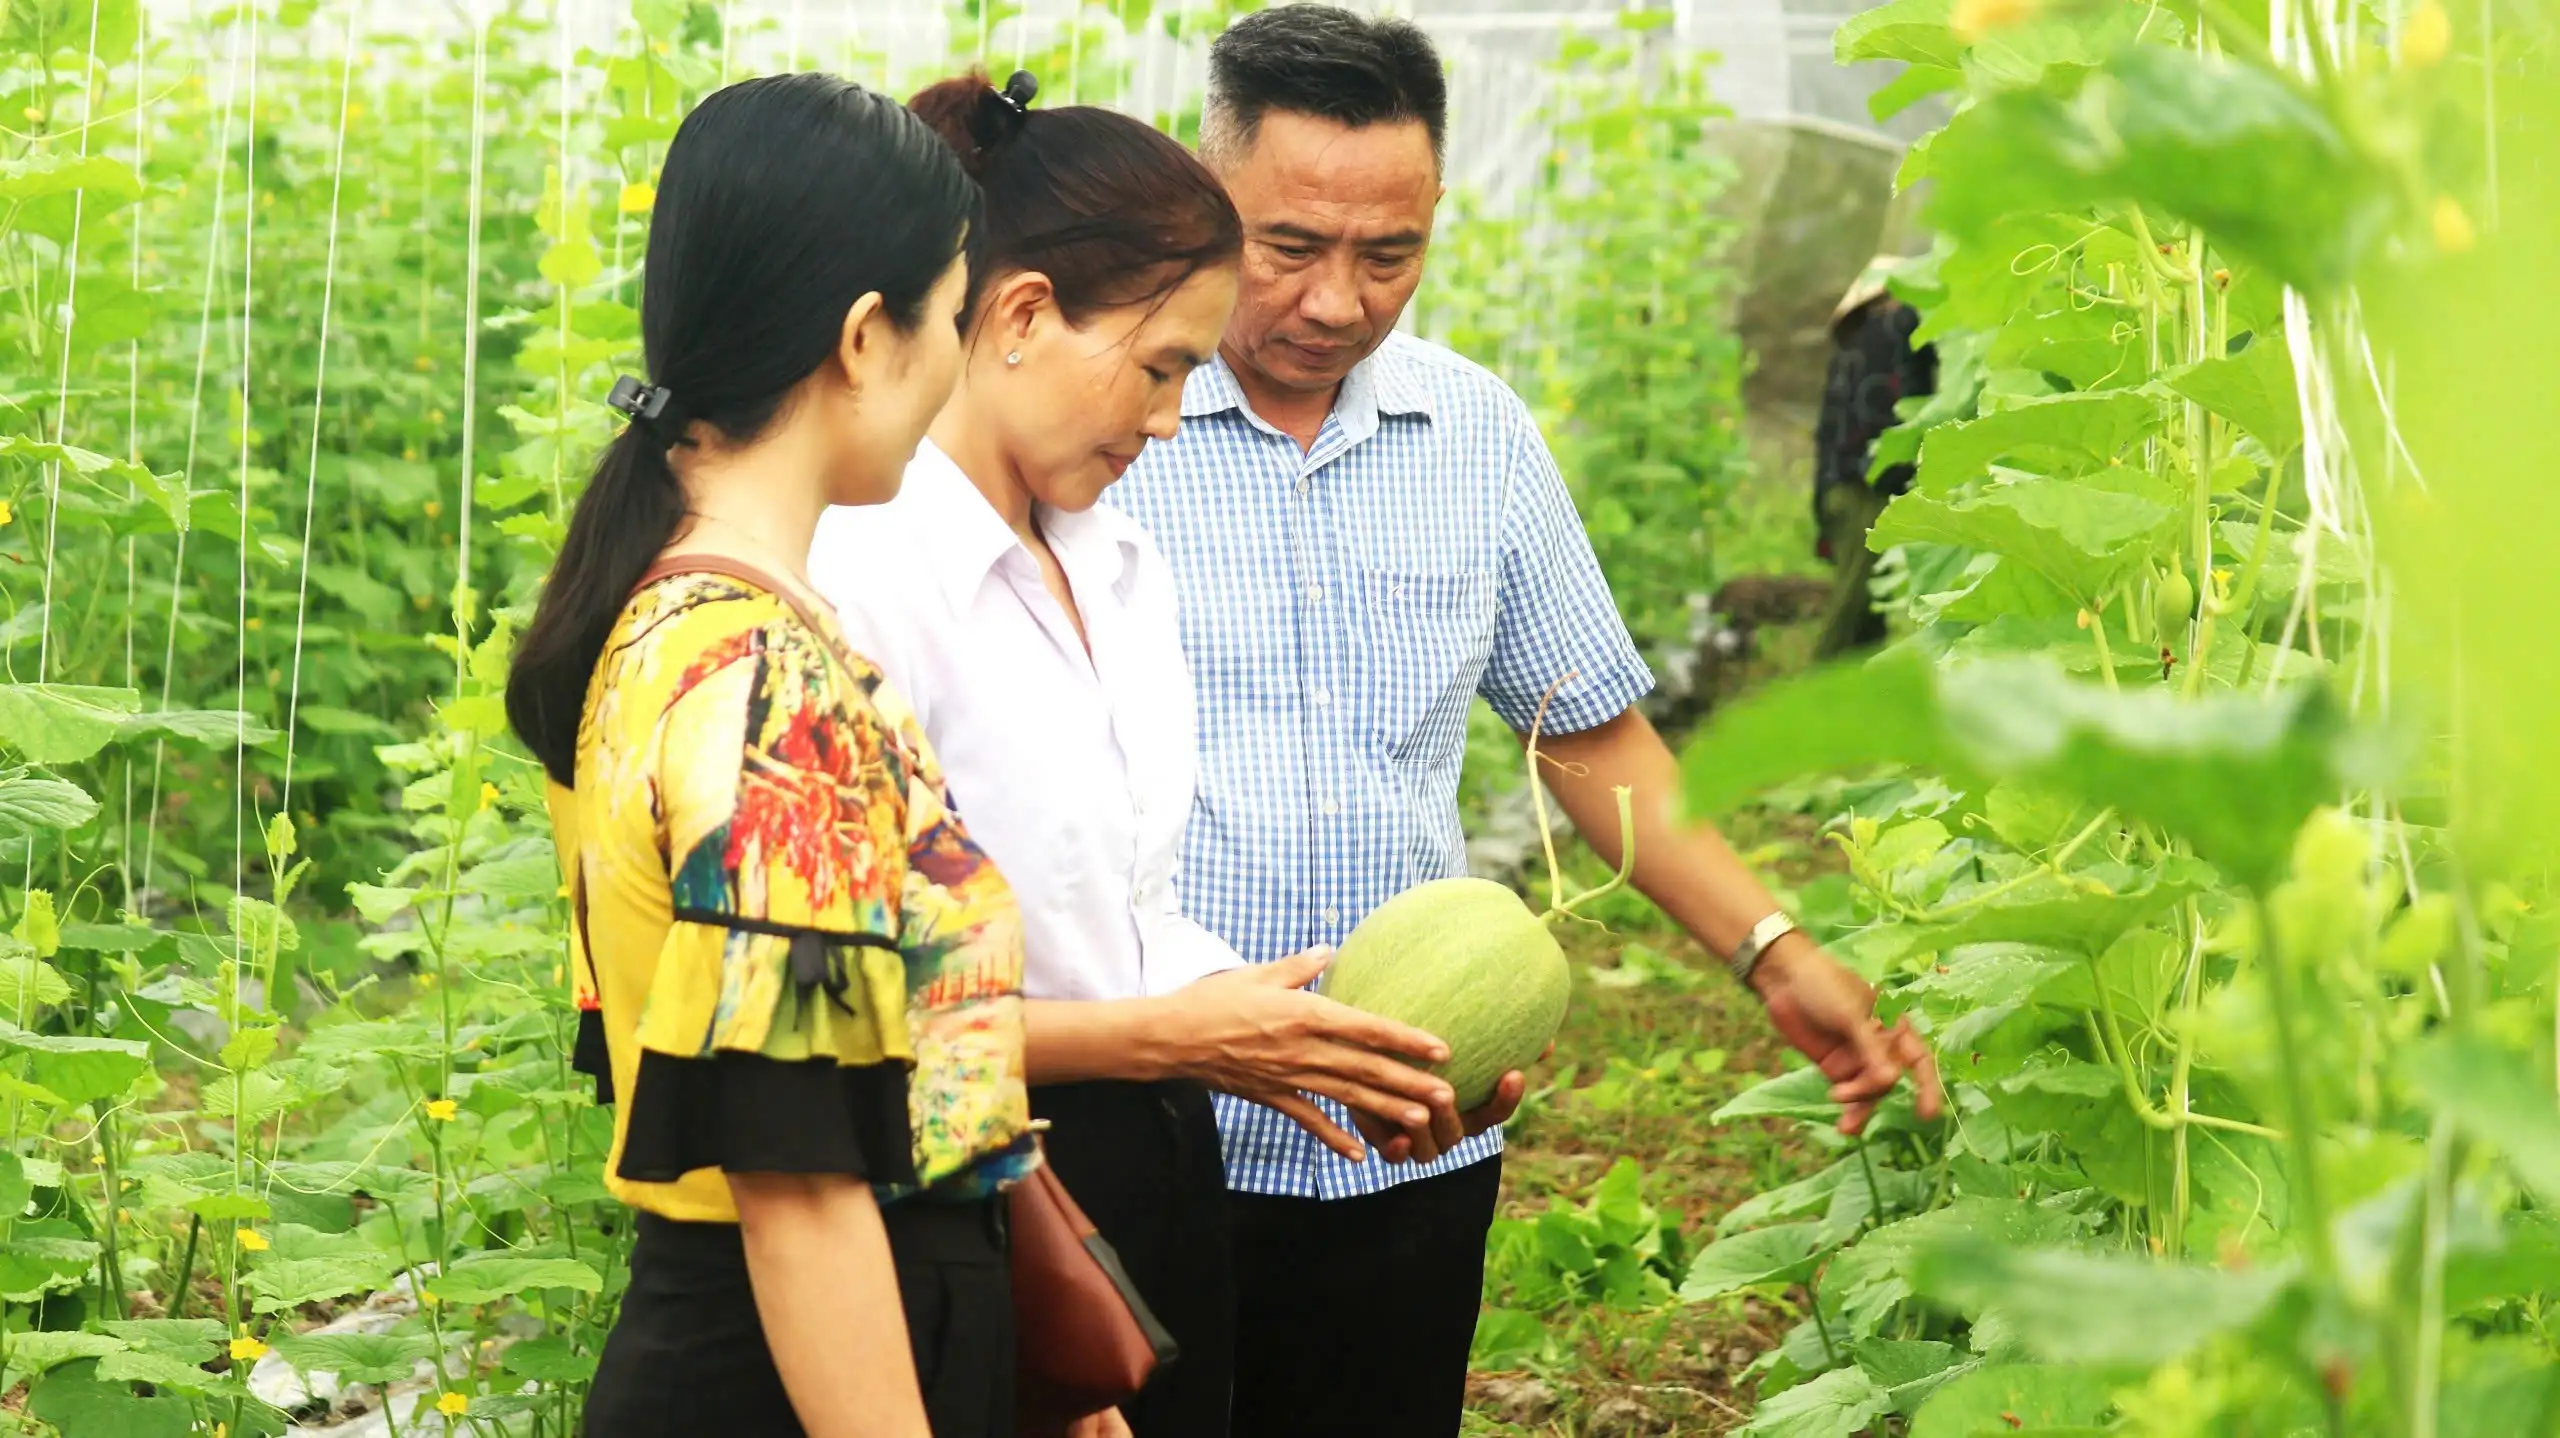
(1014, 358)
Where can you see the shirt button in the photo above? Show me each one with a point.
(1322, 697)
(1315, 594)
(1330, 806)
(1332, 917)
(1304, 486)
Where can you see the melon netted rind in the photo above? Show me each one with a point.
(1463, 959)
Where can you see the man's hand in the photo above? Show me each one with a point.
(1256, 1033)
(1106, 1424)
(1829, 1014)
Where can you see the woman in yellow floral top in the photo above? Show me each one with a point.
(799, 979)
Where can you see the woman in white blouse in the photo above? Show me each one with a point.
(1033, 630)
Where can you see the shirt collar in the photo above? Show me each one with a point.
(1382, 384)
(968, 539)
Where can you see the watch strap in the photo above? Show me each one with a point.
(1746, 956)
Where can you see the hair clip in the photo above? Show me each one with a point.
(642, 402)
(1018, 92)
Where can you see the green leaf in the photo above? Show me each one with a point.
(201, 726)
(79, 1068)
(249, 1048)
(62, 723)
(359, 1357)
(2234, 774)
(228, 1207)
(296, 1281)
(195, 1340)
(2073, 1307)
(2497, 1097)
(74, 1401)
(1780, 1255)
(45, 175)
(535, 876)
(486, 1280)
(2242, 153)
(39, 1351)
(1913, 85)
(1798, 1093)
(2253, 389)
(2060, 434)
(28, 983)
(1837, 1404)
(159, 1370)
(43, 1254)
(550, 1359)
(36, 803)
(2080, 538)
(1999, 1402)
(1913, 31)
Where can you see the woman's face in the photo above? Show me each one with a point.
(1085, 399)
(897, 381)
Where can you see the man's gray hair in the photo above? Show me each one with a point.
(1324, 61)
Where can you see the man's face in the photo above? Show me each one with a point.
(1335, 223)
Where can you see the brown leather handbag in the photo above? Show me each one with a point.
(1084, 1337)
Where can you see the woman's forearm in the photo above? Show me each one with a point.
(1068, 1041)
(826, 1289)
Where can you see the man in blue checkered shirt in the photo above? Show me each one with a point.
(1368, 532)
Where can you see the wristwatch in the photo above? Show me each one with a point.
(1769, 930)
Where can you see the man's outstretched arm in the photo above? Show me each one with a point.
(1823, 1009)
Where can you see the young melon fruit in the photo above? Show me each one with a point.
(1466, 960)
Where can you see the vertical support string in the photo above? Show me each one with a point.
(70, 316)
(248, 378)
(463, 607)
(319, 402)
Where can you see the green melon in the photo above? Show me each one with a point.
(1466, 960)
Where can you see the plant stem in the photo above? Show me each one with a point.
(2301, 1111)
(186, 1267)
(1626, 856)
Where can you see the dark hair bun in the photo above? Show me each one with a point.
(975, 117)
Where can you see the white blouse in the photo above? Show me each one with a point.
(1073, 771)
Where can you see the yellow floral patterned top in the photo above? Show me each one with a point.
(772, 889)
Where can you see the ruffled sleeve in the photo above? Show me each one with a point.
(774, 1036)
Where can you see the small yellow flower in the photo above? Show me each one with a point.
(434, 509)
(247, 1350)
(252, 1240)
(1973, 19)
(2454, 234)
(425, 363)
(409, 453)
(34, 115)
(637, 197)
(256, 623)
(488, 794)
(355, 112)
(442, 1110)
(430, 1297)
(2426, 37)
(8, 513)
(435, 416)
(453, 1405)
(2085, 617)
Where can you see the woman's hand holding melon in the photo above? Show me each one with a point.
(1258, 1034)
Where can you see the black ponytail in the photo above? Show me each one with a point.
(783, 201)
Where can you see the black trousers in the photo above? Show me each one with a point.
(1141, 1160)
(1354, 1316)
(688, 1358)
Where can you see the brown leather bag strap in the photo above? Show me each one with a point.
(739, 569)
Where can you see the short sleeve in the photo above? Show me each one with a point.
(1554, 615)
(774, 1036)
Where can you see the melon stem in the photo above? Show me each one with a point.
(1538, 800)
(1626, 858)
